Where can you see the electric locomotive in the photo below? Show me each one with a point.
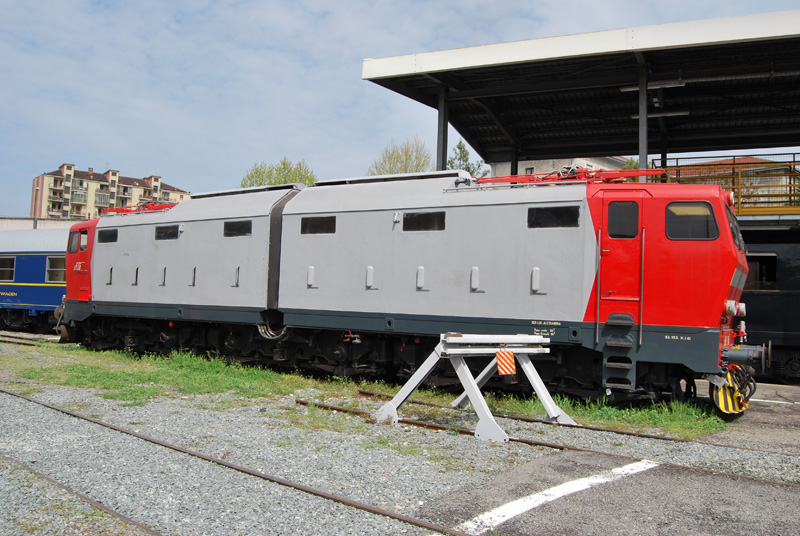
(32, 278)
(636, 285)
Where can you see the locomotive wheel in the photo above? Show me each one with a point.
(67, 333)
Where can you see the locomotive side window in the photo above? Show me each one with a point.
(318, 225)
(423, 221)
(7, 268)
(237, 228)
(105, 236)
(78, 241)
(691, 220)
(548, 217)
(56, 270)
(623, 219)
(167, 232)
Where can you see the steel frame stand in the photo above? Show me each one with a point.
(454, 347)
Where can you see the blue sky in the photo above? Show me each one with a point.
(197, 91)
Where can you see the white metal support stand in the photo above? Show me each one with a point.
(454, 347)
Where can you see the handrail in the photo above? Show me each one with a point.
(762, 185)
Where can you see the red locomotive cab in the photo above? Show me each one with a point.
(79, 259)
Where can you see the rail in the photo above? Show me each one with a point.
(765, 184)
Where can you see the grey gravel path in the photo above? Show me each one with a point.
(394, 467)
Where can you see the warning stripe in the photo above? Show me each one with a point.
(505, 363)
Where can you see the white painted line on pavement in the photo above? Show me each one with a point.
(491, 519)
(772, 401)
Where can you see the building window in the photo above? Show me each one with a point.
(7, 268)
(318, 225)
(105, 236)
(423, 221)
(691, 220)
(237, 228)
(56, 270)
(167, 232)
(546, 217)
(623, 219)
(529, 170)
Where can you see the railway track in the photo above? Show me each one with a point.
(357, 505)
(572, 447)
(521, 418)
(25, 339)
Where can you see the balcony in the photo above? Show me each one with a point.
(56, 186)
(78, 198)
(124, 193)
(101, 199)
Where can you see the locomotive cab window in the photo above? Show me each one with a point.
(167, 232)
(623, 219)
(106, 236)
(237, 228)
(548, 217)
(56, 270)
(318, 225)
(78, 241)
(691, 220)
(423, 221)
(7, 268)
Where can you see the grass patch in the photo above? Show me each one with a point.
(134, 380)
(684, 420)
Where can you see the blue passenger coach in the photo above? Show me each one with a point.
(32, 277)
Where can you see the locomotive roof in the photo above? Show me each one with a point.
(34, 241)
(234, 204)
(374, 193)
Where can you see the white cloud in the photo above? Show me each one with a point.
(197, 91)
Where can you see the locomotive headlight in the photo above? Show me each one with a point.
(730, 307)
(741, 309)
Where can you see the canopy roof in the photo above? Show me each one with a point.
(712, 85)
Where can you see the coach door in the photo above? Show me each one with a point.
(621, 253)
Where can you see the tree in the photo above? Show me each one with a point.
(631, 163)
(284, 172)
(460, 160)
(410, 157)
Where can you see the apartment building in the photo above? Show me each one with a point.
(69, 193)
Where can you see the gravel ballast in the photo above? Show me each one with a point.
(389, 466)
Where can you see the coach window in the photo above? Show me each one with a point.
(318, 225)
(167, 232)
(691, 220)
(763, 271)
(237, 228)
(56, 270)
(623, 219)
(7, 268)
(105, 236)
(548, 217)
(423, 221)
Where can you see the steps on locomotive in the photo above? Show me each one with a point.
(618, 369)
